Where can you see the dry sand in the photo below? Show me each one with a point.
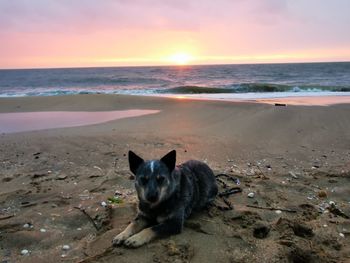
(296, 158)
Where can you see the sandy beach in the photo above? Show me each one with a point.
(295, 159)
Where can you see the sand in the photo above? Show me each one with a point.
(294, 158)
(42, 120)
(289, 98)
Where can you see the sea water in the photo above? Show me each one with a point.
(249, 80)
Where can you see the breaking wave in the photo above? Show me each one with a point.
(252, 87)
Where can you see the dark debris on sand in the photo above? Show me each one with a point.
(286, 220)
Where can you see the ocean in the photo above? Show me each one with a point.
(269, 80)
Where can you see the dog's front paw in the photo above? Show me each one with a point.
(140, 239)
(134, 241)
(119, 239)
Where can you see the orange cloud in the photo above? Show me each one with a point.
(62, 33)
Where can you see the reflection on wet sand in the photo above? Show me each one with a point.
(31, 121)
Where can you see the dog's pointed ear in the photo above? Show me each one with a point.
(134, 162)
(169, 160)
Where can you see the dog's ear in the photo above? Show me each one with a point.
(134, 162)
(169, 160)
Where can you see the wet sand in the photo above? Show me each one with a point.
(305, 99)
(295, 159)
(43, 120)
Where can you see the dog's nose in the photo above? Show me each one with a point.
(152, 197)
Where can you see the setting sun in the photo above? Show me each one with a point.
(181, 58)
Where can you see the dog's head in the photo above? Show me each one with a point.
(155, 180)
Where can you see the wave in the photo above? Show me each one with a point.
(186, 89)
(72, 91)
(253, 87)
(240, 79)
(193, 90)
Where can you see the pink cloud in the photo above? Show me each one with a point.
(40, 29)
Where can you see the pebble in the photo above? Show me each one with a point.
(325, 225)
(251, 195)
(278, 212)
(24, 252)
(322, 194)
(331, 203)
(238, 182)
(79, 228)
(104, 204)
(293, 175)
(65, 247)
(26, 225)
(62, 177)
(42, 230)
(341, 234)
(118, 193)
(98, 168)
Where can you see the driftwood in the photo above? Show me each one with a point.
(6, 216)
(336, 211)
(88, 216)
(229, 191)
(232, 190)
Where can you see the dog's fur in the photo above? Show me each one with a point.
(167, 196)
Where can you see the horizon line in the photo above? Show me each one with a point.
(179, 66)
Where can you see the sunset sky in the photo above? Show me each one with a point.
(67, 33)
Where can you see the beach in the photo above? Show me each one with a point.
(295, 159)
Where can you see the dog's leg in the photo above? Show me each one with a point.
(134, 227)
(172, 226)
(141, 238)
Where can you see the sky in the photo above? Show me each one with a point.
(87, 33)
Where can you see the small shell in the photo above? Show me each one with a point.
(278, 212)
(251, 195)
(65, 247)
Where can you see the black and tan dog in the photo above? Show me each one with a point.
(167, 196)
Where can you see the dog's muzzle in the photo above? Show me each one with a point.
(152, 197)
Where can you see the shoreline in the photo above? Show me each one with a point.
(295, 99)
(7, 104)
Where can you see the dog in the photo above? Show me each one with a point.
(168, 195)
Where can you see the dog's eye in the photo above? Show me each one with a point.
(160, 179)
(144, 180)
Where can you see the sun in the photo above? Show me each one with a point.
(181, 58)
